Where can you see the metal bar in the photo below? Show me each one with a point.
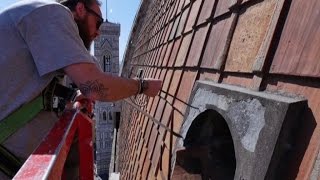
(153, 119)
(47, 161)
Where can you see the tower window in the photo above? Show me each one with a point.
(107, 63)
(104, 115)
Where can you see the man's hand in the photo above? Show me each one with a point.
(152, 87)
(83, 104)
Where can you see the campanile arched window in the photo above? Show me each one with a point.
(107, 62)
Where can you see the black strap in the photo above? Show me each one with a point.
(9, 163)
(64, 92)
(48, 94)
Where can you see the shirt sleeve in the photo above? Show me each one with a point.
(52, 37)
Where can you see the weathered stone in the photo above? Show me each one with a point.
(261, 124)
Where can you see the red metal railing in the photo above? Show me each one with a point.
(47, 161)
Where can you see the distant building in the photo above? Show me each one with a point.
(106, 50)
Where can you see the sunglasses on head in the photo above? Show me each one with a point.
(100, 19)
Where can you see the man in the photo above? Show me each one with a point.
(40, 40)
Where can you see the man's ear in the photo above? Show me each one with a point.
(79, 11)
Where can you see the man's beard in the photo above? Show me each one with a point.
(84, 32)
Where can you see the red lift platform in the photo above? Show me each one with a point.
(48, 160)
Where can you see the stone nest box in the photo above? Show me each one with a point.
(231, 132)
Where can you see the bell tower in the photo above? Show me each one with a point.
(106, 51)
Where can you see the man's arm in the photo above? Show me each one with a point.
(97, 85)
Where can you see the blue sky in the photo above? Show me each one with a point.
(119, 11)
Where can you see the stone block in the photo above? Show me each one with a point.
(261, 127)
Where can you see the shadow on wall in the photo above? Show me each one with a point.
(303, 133)
(209, 150)
(296, 151)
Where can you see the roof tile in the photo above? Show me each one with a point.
(195, 8)
(183, 51)
(168, 53)
(217, 43)
(222, 8)
(197, 46)
(185, 87)
(206, 10)
(174, 52)
(249, 35)
(175, 82)
(182, 21)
